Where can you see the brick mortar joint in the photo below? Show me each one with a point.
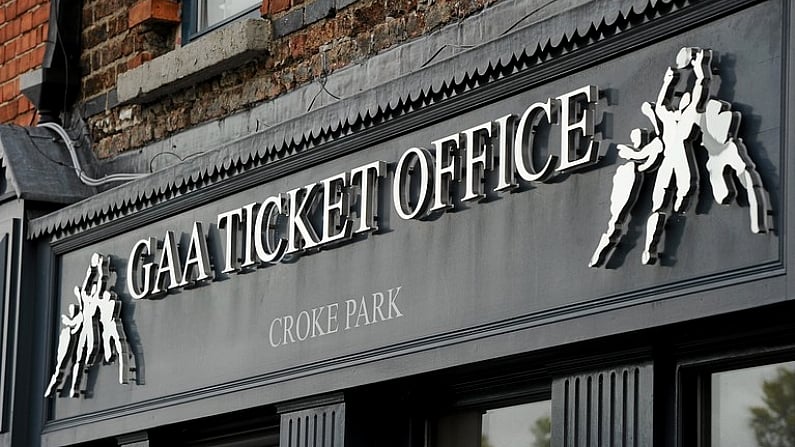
(119, 37)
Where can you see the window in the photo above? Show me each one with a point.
(738, 401)
(527, 425)
(753, 406)
(201, 16)
(518, 425)
(213, 12)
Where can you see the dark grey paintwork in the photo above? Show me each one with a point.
(491, 279)
(38, 166)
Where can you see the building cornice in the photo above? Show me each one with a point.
(537, 53)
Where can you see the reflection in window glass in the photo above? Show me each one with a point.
(526, 425)
(754, 407)
(215, 11)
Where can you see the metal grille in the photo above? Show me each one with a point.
(608, 408)
(314, 427)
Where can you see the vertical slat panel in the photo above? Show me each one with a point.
(605, 422)
(581, 424)
(616, 409)
(8, 297)
(5, 356)
(314, 427)
(137, 439)
(607, 408)
(589, 412)
(559, 419)
(630, 406)
(595, 416)
(571, 406)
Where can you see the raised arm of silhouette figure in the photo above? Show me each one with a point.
(647, 150)
(701, 68)
(666, 94)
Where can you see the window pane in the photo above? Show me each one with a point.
(526, 425)
(754, 407)
(215, 11)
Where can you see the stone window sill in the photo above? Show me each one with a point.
(216, 52)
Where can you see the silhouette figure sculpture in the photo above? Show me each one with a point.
(96, 317)
(669, 151)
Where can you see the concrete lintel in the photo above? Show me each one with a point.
(221, 50)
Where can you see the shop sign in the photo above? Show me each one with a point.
(267, 232)
(682, 120)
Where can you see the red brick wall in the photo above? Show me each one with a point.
(23, 31)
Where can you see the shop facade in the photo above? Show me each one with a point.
(580, 225)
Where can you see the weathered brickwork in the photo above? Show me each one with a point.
(23, 31)
(111, 46)
(325, 38)
(311, 38)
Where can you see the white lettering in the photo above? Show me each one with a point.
(505, 174)
(570, 141)
(288, 329)
(407, 166)
(336, 209)
(270, 332)
(350, 310)
(248, 235)
(393, 303)
(288, 223)
(268, 246)
(448, 169)
(169, 266)
(321, 321)
(332, 318)
(299, 333)
(230, 221)
(479, 158)
(523, 146)
(300, 233)
(197, 257)
(362, 313)
(140, 276)
(317, 329)
(378, 301)
(368, 193)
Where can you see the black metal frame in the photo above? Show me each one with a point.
(6, 310)
(695, 389)
(766, 339)
(456, 396)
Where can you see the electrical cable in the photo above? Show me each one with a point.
(527, 16)
(447, 45)
(90, 181)
(173, 154)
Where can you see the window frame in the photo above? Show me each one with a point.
(694, 388)
(489, 393)
(190, 20)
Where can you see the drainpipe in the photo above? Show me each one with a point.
(54, 87)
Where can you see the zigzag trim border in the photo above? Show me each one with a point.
(582, 26)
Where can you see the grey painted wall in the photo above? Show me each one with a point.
(490, 279)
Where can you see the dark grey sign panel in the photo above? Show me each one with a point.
(517, 257)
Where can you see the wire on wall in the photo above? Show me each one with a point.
(81, 174)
